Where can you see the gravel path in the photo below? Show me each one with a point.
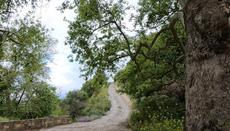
(115, 120)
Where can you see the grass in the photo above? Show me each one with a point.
(165, 125)
(155, 125)
(4, 119)
(98, 104)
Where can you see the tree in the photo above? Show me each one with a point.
(98, 38)
(38, 104)
(85, 101)
(93, 85)
(25, 48)
(24, 62)
(73, 103)
(207, 26)
(158, 89)
(9, 9)
(95, 17)
(207, 61)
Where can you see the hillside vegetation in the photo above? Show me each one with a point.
(91, 101)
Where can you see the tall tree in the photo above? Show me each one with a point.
(25, 47)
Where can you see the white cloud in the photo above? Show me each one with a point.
(64, 75)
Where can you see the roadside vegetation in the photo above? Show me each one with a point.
(3, 119)
(91, 102)
(25, 48)
(98, 104)
(157, 86)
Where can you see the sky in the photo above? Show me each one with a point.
(64, 75)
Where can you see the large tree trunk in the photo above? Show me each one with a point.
(208, 65)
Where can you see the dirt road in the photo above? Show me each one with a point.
(115, 120)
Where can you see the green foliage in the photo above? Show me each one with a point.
(98, 104)
(73, 103)
(10, 7)
(25, 71)
(25, 48)
(41, 103)
(157, 12)
(93, 17)
(157, 85)
(155, 71)
(154, 125)
(91, 100)
(4, 119)
(154, 77)
(59, 109)
(93, 86)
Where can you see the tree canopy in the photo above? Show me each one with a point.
(153, 50)
(99, 36)
(25, 47)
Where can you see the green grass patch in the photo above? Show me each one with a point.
(4, 119)
(165, 125)
(139, 123)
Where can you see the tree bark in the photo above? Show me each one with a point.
(208, 65)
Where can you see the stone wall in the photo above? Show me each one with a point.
(33, 124)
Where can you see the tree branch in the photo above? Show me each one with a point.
(126, 39)
(9, 34)
(118, 57)
(101, 26)
(16, 42)
(123, 34)
(20, 99)
(169, 27)
(173, 30)
(157, 35)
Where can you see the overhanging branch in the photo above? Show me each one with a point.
(126, 39)
(123, 34)
(101, 26)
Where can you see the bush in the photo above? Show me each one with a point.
(94, 85)
(59, 110)
(41, 104)
(73, 103)
(98, 104)
(91, 101)
(166, 125)
(161, 107)
(138, 123)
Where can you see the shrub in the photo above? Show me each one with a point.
(138, 123)
(166, 125)
(73, 103)
(98, 104)
(42, 103)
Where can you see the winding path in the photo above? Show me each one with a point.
(115, 120)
